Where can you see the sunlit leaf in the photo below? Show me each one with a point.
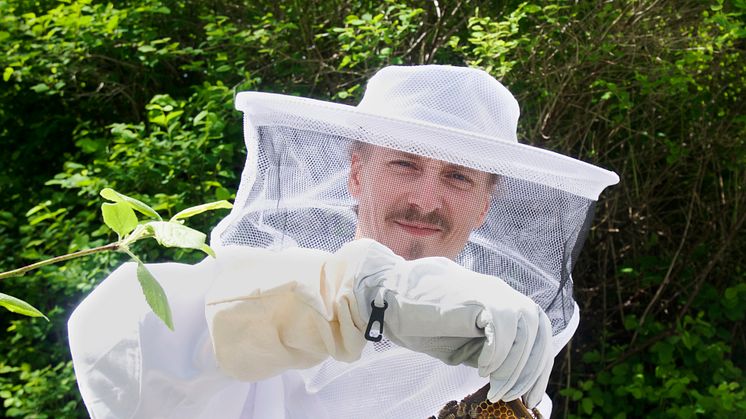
(40, 88)
(199, 117)
(137, 205)
(119, 217)
(172, 234)
(154, 295)
(38, 208)
(189, 212)
(19, 306)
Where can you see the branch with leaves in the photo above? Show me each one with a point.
(120, 216)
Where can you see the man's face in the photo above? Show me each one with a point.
(417, 206)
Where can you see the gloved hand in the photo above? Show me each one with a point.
(269, 311)
(437, 307)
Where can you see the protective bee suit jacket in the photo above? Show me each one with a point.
(129, 365)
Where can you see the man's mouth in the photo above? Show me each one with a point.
(418, 229)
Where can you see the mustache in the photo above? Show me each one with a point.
(412, 214)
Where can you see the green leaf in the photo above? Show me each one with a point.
(38, 208)
(7, 73)
(173, 234)
(40, 88)
(631, 322)
(19, 306)
(345, 62)
(207, 249)
(189, 212)
(119, 217)
(112, 195)
(154, 295)
(200, 116)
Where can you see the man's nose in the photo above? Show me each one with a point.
(426, 193)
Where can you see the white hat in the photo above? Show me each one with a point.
(458, 114)
(293, 190)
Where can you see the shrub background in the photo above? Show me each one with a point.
(137, 96)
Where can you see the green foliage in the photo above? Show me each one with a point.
(491, 42)
(47, 392)
(367, 36)
(120, 217)
(76, 60)
(685, 371)
(137, 96)
(174, 155)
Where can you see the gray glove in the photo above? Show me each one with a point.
(439, 308)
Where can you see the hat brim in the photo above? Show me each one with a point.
(489, 154)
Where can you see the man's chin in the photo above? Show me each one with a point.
(406, 245)
(413, 249)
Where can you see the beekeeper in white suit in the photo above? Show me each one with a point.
(379, 261)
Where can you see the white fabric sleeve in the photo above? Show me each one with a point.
(270, 311)
(129, 365)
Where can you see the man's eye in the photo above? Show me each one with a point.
(459, 177)
(460, 180)
(404, 164)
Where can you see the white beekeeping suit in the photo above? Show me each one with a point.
(274, 326)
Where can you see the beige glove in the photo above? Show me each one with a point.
(269, 311)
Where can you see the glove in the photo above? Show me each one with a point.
(437, 307)
(269, 311)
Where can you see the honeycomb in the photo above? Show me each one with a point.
(477, 406)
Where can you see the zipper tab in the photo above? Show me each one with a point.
(376, 315)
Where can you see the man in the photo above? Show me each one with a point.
(428, 165)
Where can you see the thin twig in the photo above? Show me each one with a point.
(670, 331)
(667, 278)
(641, 347)
(568, 356)
(714, 260)
(57, 259)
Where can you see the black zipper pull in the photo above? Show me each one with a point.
(376, 315)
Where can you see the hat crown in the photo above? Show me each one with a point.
(462, 98)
